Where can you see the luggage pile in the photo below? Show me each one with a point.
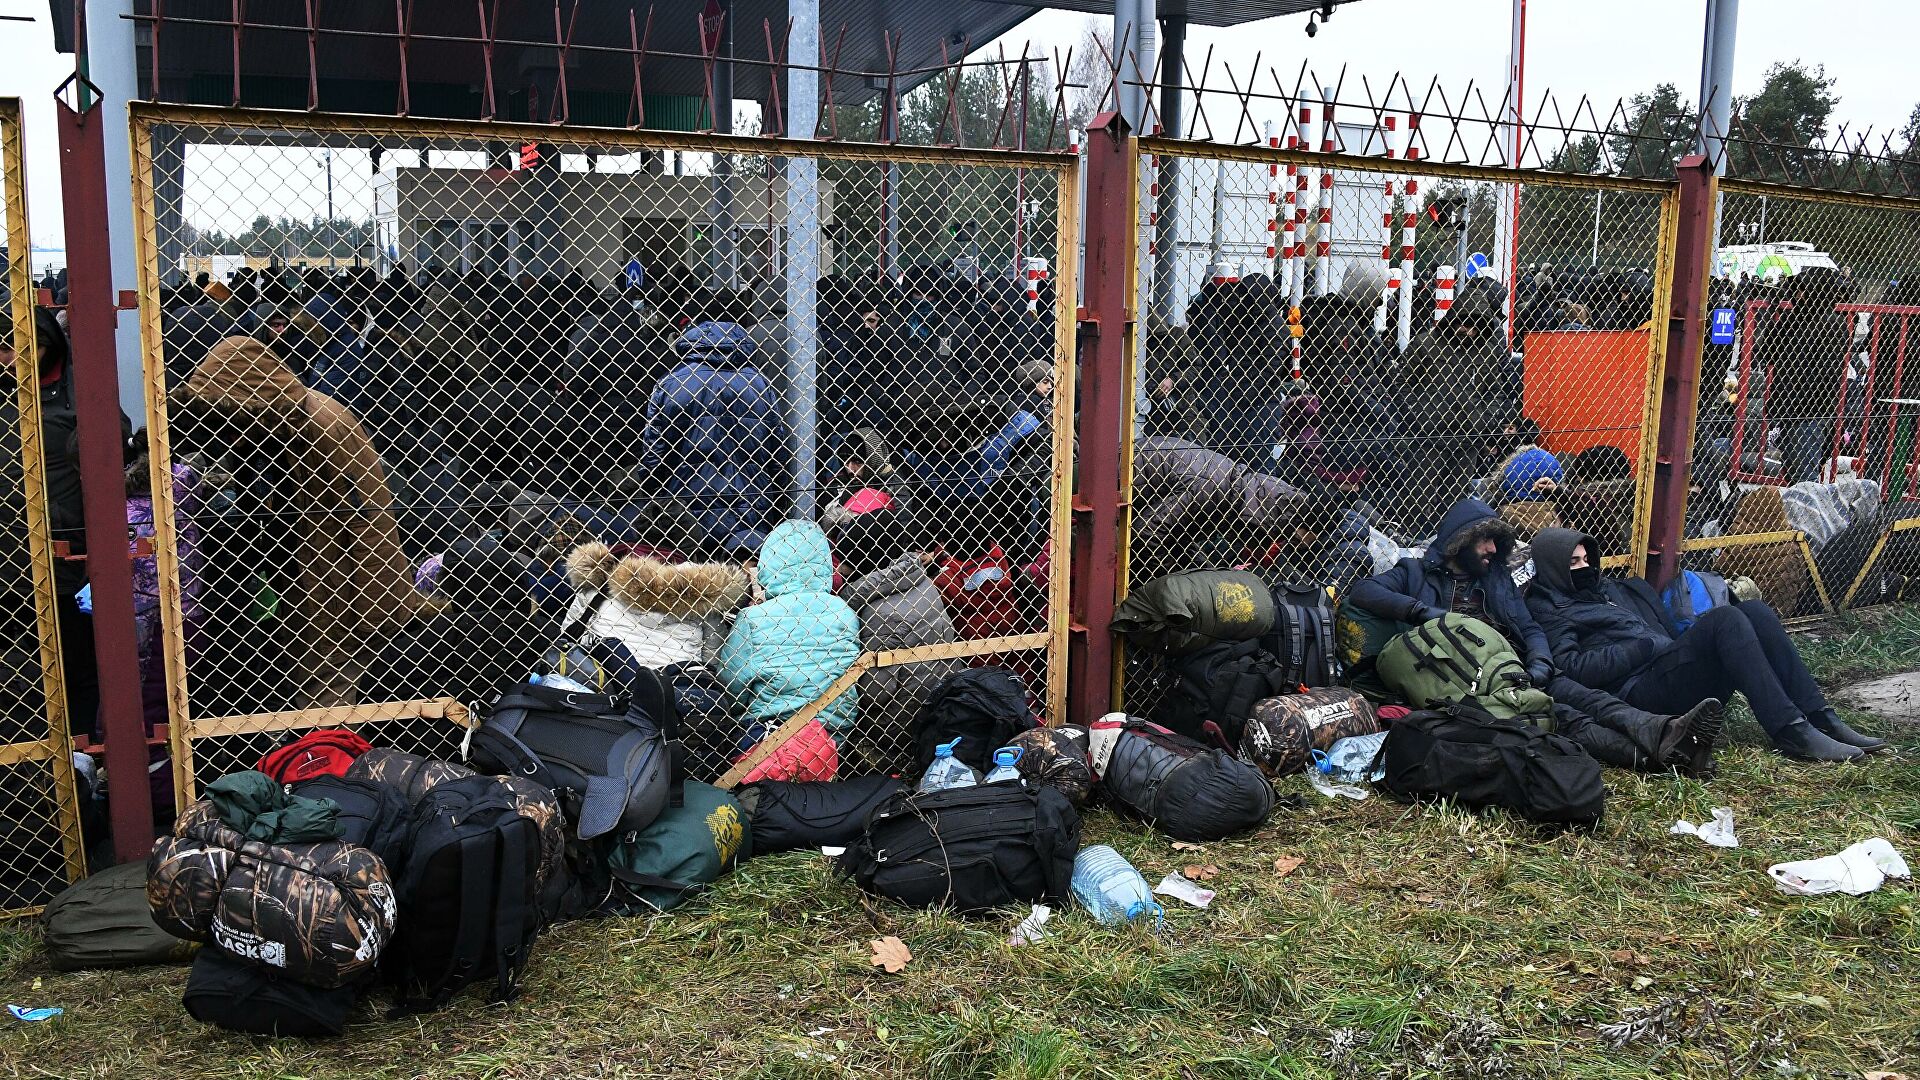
(1250, 671)
(337, 868)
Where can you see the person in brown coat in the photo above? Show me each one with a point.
(354, 583)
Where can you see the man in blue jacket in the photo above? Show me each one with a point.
(1465, 572)
(1616, 635)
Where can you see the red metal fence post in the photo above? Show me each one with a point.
(1106, 388)
(96, 388)
(1680, 380)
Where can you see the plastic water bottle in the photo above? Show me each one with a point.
(1004, 760)
(947, 771)
(1108, 886)
(1350, 760)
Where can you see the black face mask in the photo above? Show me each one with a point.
(1586, 577)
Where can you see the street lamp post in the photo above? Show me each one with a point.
(332, 239)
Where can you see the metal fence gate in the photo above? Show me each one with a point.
(1808, 380)
(1324, 369)
(41, 850)
(575, 383)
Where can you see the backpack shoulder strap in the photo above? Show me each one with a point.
(477, 874)
(512, 914)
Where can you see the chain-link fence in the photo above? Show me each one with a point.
(1803, 452)
(1339, 348)
(41, 845)
(441, 405)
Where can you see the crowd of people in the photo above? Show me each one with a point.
(379, 480)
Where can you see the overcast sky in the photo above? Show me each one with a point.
(1605, 50)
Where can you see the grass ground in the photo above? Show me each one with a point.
(1411, 942)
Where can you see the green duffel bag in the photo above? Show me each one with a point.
(104, 921)
(1359, 635)
(1460, 658)
(1186, 612)
(687, 846)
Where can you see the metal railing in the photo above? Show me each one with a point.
(475, 397)
(1327, 366)
(41, 849)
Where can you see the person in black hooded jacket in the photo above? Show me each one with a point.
(1465, 572)
(1615, 635)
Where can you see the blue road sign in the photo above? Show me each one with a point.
(1477, 265)
(1722, 330)
(636, 274)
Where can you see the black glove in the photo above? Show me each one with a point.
(1539, 673)
(1423, 613)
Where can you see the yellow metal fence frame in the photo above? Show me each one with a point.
(343, 130)
(1667, 191)
(56, 748)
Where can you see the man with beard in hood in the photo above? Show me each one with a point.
(1616, 634)
(1465, 572)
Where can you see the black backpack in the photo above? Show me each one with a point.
(469, 895)
(1302, 635)
(970, 849)
(1460, 752)
(373, 815)
(1210, 694)
(1182, 788)
(791, 815)
(983, 707)
(254, 999)
(614, 765)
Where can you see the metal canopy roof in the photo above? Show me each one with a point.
(358, 51)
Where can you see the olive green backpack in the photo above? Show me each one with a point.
(1460, 658)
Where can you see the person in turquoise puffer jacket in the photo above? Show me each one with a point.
(785, 651)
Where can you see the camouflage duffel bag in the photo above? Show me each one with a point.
(1286, 730)
(318, 913)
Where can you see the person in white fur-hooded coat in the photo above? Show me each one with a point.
(664, 613)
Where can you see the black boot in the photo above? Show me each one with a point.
(1828, 723)
(1602, 743)
(1694, 755)
(1660, 739)
(1801, 741)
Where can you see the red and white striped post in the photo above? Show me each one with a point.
(1280, 195)
(1323, 255)
(1443, 279)
(1386, 301)
(1409, 223)
(1302, 193)
(1389, 132)
(1035, 270)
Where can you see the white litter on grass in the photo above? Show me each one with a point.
(1184, 891)
(1333, 789)
(1718, 832)
(1859, 869)
(833, 852)
(1029, 930)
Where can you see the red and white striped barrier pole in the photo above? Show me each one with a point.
(1389, 131)
(1302, 192)
(1442, 292)
(1323, 255)
(1409, 222)
(1279, 222)
(1386, 301)
(1035, 271)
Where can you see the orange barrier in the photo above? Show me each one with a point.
(1563, 367)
